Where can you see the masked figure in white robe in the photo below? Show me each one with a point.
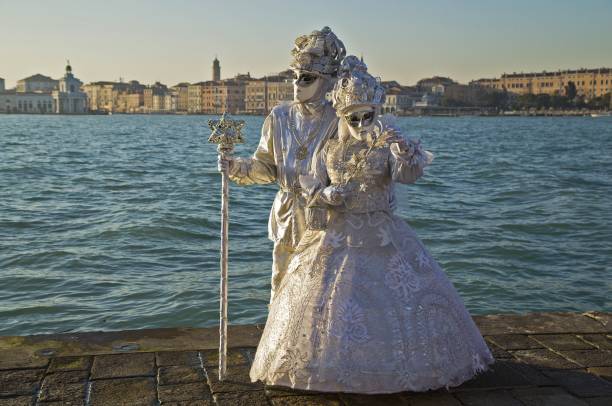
(364, 306)
(290, 135)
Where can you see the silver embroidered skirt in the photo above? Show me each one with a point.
(364, 308)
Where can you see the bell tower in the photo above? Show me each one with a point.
(216, 70)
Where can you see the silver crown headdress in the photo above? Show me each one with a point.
(355, 86)
(319, 51)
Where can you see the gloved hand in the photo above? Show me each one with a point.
(333, 195)
(225, 164)
(395, 137)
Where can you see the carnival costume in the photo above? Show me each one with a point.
(290, 135)
(364, 307)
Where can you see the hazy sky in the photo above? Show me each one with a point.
(173, 41)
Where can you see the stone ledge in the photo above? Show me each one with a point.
(541, 358)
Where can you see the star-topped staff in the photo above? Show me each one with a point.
(225, 133)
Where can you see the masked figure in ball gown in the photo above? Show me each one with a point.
(364, 306)
(290, 135)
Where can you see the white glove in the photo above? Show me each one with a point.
(225, 164)
(333, 195)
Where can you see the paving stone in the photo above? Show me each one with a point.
(375, 400)
(18, 401)
(603, 372)
(544, 358)
(172, 375)
(9, 361)
(235, 356)
(64, 386)
(167, 358)
(70, 364)
(61, 403)
(236, 380)
(547, 396)
(124, 392)
(73, 393)
(562, 341)
(491, 324)
(601, 341)
(300, 400)
(581, 383)
(198, 402)
(241, 398)
(549, 323)
(437, 398)
(20, 381)
(531, 374)
(590, 358)
(497, 351)
(280, 391)
(514, 342)
(123, 365)
(605, 401)
(487, 398)
(184, 392)
(499, 375)
(604, 318)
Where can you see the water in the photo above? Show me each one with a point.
(111, 222)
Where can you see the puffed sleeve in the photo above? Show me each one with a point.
(261, 167)
(407, 166)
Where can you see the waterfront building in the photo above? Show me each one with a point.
(400, 99)
(164, 103)
(589, 83)
(261, 95)
(128, 102)
(1, 85)
(181, 91)
(68, 98)
(130, 98)
(255, 96)
(216, 70)
(194, 98)
(12, 101)
(223, 96)
(157, 89)
(37, 83)
(104, 95)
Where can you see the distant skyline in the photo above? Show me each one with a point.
(172, 42)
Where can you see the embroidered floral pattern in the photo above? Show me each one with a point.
(423, 261)
(350, 323)
(368, 301)
(401, 278)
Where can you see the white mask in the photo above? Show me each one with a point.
(360, 123)
(308, 87)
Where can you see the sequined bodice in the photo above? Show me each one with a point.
(365, 172)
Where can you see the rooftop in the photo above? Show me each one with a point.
(39, 78)
(541, 358)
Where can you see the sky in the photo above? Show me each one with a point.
(176, 41)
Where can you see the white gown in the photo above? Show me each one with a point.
(364, 307)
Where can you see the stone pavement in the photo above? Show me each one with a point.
(542, 359)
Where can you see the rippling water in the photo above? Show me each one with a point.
(111, 222)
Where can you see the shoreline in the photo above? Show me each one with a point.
(552, 113)
(541, 358)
